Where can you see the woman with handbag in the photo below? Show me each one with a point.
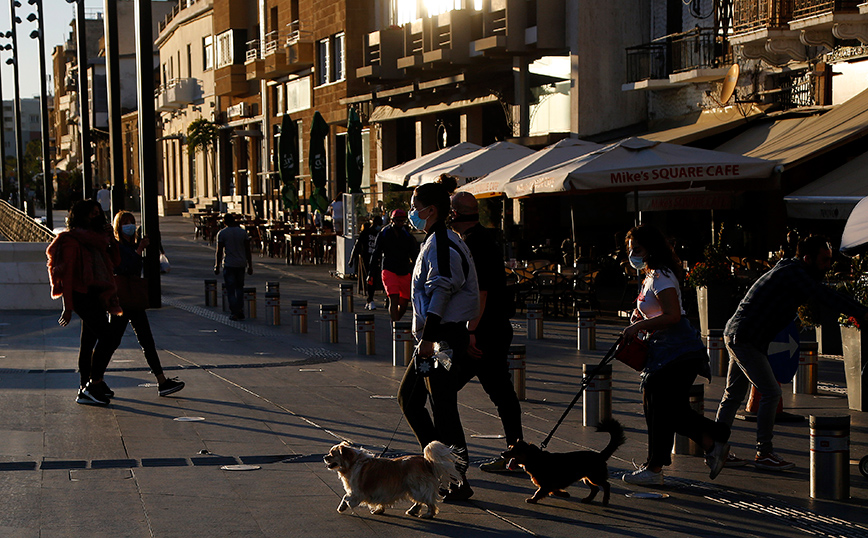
(132, 292)
(676, 356)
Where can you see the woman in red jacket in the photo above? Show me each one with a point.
(81, 265)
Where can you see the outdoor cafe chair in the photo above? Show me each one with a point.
(549, 290)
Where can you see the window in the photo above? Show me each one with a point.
(330, 59)
(189, 60)
(208, 53)
(279, 106)
(298, 95)
(224, 49)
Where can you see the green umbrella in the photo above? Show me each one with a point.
(287, 165)
(354, 159)
(319, 129)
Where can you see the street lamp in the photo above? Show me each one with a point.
(16, 104)
(83, 114)
(47, 179)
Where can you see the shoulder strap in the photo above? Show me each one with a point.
(443, 257)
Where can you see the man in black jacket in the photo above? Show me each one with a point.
(491, 330)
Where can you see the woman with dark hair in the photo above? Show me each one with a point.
(80, 265)
(676, 356)
(131, 249)
(445, 296)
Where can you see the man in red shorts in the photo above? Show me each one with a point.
(398, 248)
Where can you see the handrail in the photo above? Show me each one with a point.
(16, 226)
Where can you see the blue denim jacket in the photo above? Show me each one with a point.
(673, 343)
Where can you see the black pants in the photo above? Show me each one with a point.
(443, 388)
(142, 327)
(492, 370)
(666, 400)
(98, 343)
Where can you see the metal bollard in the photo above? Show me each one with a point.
(402, 343)
(346, 297)
(225, 298)
(685, 445)
(365, 334)
(328, 323)
(299, 317)
(805, 380)
(250, 302)
(717, 353)
(517, 371)
(830, 457)
(272, 286)
(587, 331)
(272, 308)
(534, 321)
(597, 398)
(210, 292)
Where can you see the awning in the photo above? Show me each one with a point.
(401, 173)
(833, 196)
(386, 112)
(697, 126)
(793, 141)
(687, 200)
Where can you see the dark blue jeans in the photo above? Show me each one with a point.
(233, 277)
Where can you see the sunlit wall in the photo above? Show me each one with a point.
(404, 11)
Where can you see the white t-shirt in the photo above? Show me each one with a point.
(655, 282)
(104, 197)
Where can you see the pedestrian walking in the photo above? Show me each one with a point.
(132, 247)
(360, 258)
(676, 356)
(104, 197)
(398, 249)
(445, 297)
(490, 331)
(81, 262)
(233, 251)
(768, 307)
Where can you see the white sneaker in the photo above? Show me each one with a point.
(371, 306)
(643, 477)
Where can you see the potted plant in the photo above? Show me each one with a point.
(855, 353)
(716, 288)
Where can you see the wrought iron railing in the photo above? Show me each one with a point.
(749, 15)
(796, 92)
(672, 54)
(807, 8)
(16, 226)
(253, 51)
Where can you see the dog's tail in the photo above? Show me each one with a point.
(614, 428)
(445, 462)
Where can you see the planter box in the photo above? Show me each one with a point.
(855, 358)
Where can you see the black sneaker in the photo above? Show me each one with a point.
(104, 389)
(170, 386)
(88, 395)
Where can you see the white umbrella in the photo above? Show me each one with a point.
(557, 154)
(639, 164)
(855, 235)
(474, 165)
(401, 174)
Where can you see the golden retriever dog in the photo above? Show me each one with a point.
(553, 472)
(378, 483)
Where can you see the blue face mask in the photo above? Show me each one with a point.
(128, 230)
(417, 221)
(637, 262)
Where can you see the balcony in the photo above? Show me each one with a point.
(511, 27)
(816, 20)
(253, 62)
(231, 80)
(550, 16)
(161, 101)
(413, 45)
(299, 46)
(446, 38)
(181, 92)
(760, 27)
(381, 52)
(675, 60)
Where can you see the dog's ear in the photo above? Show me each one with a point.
(347, 453)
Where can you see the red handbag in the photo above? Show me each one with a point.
(632, 352)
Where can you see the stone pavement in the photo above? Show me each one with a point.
(278, 401)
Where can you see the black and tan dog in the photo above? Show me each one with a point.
(552, 472)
